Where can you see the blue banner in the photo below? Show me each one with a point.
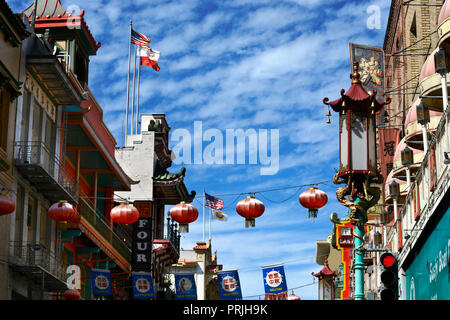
(185, 287)
(143, 286)
(101, 282)
(274, 279)
(229, 286)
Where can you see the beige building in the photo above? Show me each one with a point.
(203, 265)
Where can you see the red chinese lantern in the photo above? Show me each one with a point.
(313, 199)
(184, 214)
(71, 294)
(250, 208)
(7, 205)
(62, 211)
(124, 213)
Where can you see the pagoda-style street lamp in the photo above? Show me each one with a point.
(423, 117)
(357, 161)
(394, 193)
(384, 220)
(407, 157)
(441, 66)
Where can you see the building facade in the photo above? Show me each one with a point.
(13, 33)
(418, 231)
(202, 263)
(147, 157)
(61, 150)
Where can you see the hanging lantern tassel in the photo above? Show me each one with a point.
(250, 223)
(183, 227)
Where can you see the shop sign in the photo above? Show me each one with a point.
(142, 245)
(428, 277)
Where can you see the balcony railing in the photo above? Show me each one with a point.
(45, 171)
(423, 196)
(36, 261)
(96, 220)
(173, 235)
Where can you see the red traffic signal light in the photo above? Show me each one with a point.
(389, 277)
(387, 260)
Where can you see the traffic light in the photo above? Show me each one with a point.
(389, 277)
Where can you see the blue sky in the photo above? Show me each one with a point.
(242, 64)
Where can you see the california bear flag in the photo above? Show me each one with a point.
(149, 58)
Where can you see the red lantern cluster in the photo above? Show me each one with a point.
(313, 199)
(7, 205)
(72, 294)
(250, 208)
(184, 214)
(124, 213)
(62, 211)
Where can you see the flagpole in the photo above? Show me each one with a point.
(204, 215)
(134, 90)
(128, 84)
(210, 213)
(33, 18)
(138, 91)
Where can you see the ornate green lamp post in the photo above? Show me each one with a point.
(358, 162)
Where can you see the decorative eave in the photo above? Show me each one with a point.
(11, 25)
(8, 80)
(165, 253)
(51, 14)
(356, 98)
(214, 268)
(162, 149)
(183, 263)
(202, 246)
(171, 186)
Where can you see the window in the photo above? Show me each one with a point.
(18, 228)
(25, 122)
(4, 117)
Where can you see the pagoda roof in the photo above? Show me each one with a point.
(356, 98)
(170, 187)
(51, 14)
(325, 272)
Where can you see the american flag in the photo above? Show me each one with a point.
(213, 202)
(139, 39)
